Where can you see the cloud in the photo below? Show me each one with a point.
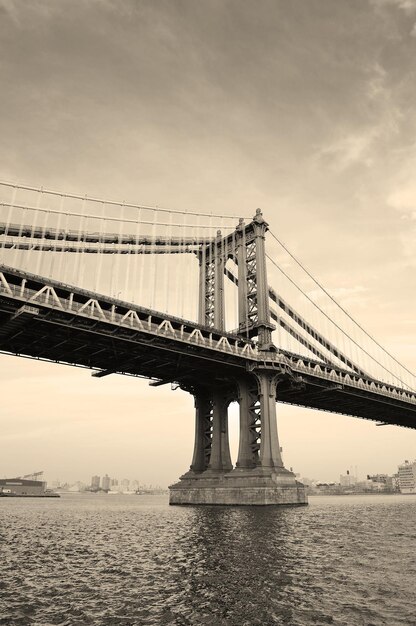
(409, 247)
(350, 149)
(408, 6)
(403, 198)
(381, 124)
(377, 83)
(28, 14)
(402, 194)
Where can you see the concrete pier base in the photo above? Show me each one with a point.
(253, 487)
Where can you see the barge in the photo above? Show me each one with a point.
(23, 488)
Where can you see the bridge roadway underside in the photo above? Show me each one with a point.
(63, 336)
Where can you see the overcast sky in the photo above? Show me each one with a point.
(305, 108)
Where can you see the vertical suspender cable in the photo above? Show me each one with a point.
(119, 259)
(154, 263)
(63, 275)
(100, 249)
(32, 265)
(189, 314)
(182, 287)
(128, 257)
(8, 221)
(55, 253)
(81, 244)
(22, 223)
(198, 262)
(142, 260)
(44, 256)
(76, 264)
(136, 257)
(170, 261)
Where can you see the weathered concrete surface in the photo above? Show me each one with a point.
(234, 488)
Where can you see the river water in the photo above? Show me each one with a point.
(133, 560)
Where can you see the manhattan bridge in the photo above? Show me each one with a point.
(217, 306)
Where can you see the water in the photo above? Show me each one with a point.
(133, 560)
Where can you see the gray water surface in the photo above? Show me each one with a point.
(112, 560)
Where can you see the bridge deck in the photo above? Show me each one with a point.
(47, 320)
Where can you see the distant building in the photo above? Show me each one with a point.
(378, 478)
(95, 483)
(308, 481)
(348, 480)
(393, 482)
(407, 477)
(378, 482)
(371, 485)
(125, 484)
(105, 483)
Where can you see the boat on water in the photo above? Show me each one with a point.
(24, 488)
(149, 492)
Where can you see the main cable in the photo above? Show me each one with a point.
(112, 202)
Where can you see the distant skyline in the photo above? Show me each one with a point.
(303, 108)
(354, 471)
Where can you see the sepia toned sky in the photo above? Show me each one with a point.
(303, 108)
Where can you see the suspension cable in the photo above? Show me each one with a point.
(339, 327)
(107, 218)
(339, 306)
(113, 202)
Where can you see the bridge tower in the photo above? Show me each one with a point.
(259, 476)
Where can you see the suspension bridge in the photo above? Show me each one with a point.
(215, 305)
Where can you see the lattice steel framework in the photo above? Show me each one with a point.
(252, 317)
(246, 248)
(211, 283)
(209, 293)
(254, 421)
(207, 426)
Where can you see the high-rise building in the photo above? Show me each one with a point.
(348, 480)
(125, 484)
(95, 483)
(105, 483)
(407, 477)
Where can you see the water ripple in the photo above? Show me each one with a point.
(133, 560)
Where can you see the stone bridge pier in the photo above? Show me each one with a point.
(259, 477)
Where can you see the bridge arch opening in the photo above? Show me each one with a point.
(230, 296)
(234, 430)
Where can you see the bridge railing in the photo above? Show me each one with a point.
(134, 318)
(341, 377)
